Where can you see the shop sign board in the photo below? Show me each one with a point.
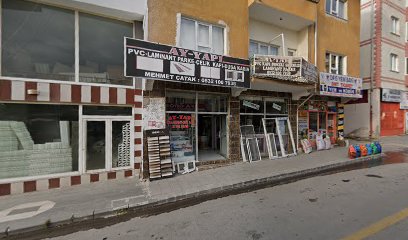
(250, 104)
(284, 68)
(340, 85)
(168, 63)
(390, 95)
(404, 100)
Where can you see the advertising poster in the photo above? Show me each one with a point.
(340, 85)
(154, 113)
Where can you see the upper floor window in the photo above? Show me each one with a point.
(394, 62)
(291, 52)
(262, 48)
(395, 25)
(335, 64)
(406, 66)
(337, 8)
(38, 41)
(201, 36)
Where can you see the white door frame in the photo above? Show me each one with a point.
(108, 141)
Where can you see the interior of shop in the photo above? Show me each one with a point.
(211, 137)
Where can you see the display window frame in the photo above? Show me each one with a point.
(261, 135)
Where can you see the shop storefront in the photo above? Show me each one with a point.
(198, 125)
(191, 98)
(68, 115)
(255, 108)
(318, 117)
(392, 112)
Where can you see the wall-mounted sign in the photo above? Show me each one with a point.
(168, 63)
(250, 104)
(284, 68)
(340, 85)
(390, 95)
(404, 100)
(154, 113)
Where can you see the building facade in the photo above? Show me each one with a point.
(320, 36)
(68, 115)
(383, 68)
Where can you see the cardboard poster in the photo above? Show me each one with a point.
(154, 110)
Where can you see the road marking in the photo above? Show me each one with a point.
(379, 226)
(42, 207)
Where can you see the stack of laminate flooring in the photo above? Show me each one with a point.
(160, 163)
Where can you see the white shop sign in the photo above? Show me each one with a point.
(404, 100)
(390, 95)
(250, 104)
(340, 85)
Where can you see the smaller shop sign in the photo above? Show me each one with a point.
(390, 95)
(180, 121)
(340, 85)
(404, 101)
(277, 107)
(250, 104)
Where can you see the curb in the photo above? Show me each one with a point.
(53, 229)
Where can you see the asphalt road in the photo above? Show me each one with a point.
(367, 203)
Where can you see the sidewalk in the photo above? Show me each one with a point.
(104, 198)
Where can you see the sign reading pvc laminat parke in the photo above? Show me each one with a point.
(340, 85)
(294, 69)
(168, 63)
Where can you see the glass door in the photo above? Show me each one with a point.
(107, 143)
(95, 149)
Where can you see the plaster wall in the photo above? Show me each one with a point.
(340, 36)
(233, 14)
(264, 32)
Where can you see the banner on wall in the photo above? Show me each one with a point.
(340, 85)
(168, 63)
(294, 69)
(154, 113)
(404, 100)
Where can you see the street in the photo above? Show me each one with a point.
(366, 203)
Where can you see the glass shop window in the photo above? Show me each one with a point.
(38, 41)
(212, 103)
(101, 49)
(37, 139)
(180, 101)
(252, 105)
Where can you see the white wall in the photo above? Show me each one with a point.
(265, 32)
(357, 120)
(121, 9)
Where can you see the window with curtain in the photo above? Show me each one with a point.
(201, 36)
